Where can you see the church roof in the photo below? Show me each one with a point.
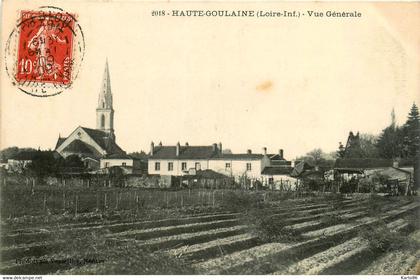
(78, 146)
(104, 140)
(60, 141)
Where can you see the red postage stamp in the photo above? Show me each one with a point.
(44, 52)
(45, 47)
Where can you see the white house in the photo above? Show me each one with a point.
(278, 178)
(178, 160)
(247, 165)
(183, 160)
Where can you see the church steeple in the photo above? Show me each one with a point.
(104, 111)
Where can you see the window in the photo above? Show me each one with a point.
(124, 164)
(102, 121)
(197, 166)
(271, 180)
(227, 165)
(157, 166)
(248, 166)
(170, 166)
(184, 166)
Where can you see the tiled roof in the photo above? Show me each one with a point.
(118, 156)
(186, 152)
(102, 138)
(239, 157)
(276, 170)
(78, 146)
(60, 141)
(276, 157)
(301, 167)
(209, 174)
(363, 163)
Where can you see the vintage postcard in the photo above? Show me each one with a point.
(209, 138)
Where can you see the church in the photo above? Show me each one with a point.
(92, 145)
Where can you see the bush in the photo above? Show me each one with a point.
(268, 227)
(241, 201)
(382, 239)
(116, 258)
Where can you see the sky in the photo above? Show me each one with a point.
(291, 84)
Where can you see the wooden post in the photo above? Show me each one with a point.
(182, 201)
(45, 202)
(213, 198)
(64, 200)
(105, 198)
(97, 201)
(77, 202)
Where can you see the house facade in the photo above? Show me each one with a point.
(181, 160)
(246, 165)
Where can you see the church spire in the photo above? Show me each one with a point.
(104, 111)
(105, 96)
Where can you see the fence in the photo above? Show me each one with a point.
(18, 202)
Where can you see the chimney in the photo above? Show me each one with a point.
(186, 144)
(281, 153)
(160, 143)
(152, 148)
(220, 147)
(178, 148)
(292, 163)
(264, 150)
(214, 147)
(395, 164)
(249, 151)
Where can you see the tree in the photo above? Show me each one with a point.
(139, 155)
(10, 152)
(411, 131)
(368, 145)
(390, 142)
(341, 150)
(317, 157)
(44, 163)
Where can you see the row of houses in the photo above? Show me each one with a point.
(98, 150)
